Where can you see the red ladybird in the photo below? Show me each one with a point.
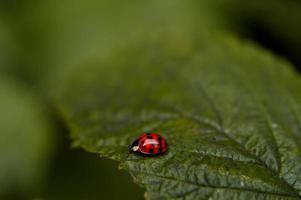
(149, 144)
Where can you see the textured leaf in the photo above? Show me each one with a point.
(230, 113)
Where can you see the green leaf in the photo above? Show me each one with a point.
(26, 142)
(230, 113)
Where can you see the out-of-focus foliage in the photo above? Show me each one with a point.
(76, 175)
(26, 141)
(274, 23)
(8, 45)
(63, 32)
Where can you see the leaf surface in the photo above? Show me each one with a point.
(230, 112)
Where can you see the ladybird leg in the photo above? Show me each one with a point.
(145, 156)
(130, 155)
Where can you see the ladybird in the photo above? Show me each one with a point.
(149, 144)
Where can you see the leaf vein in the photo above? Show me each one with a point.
(218, 187)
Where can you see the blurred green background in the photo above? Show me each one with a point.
(41, 40)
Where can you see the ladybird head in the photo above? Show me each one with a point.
(135, 146)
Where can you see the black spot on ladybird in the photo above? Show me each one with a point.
(160, 149)
(151, 150)
(149, 137)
